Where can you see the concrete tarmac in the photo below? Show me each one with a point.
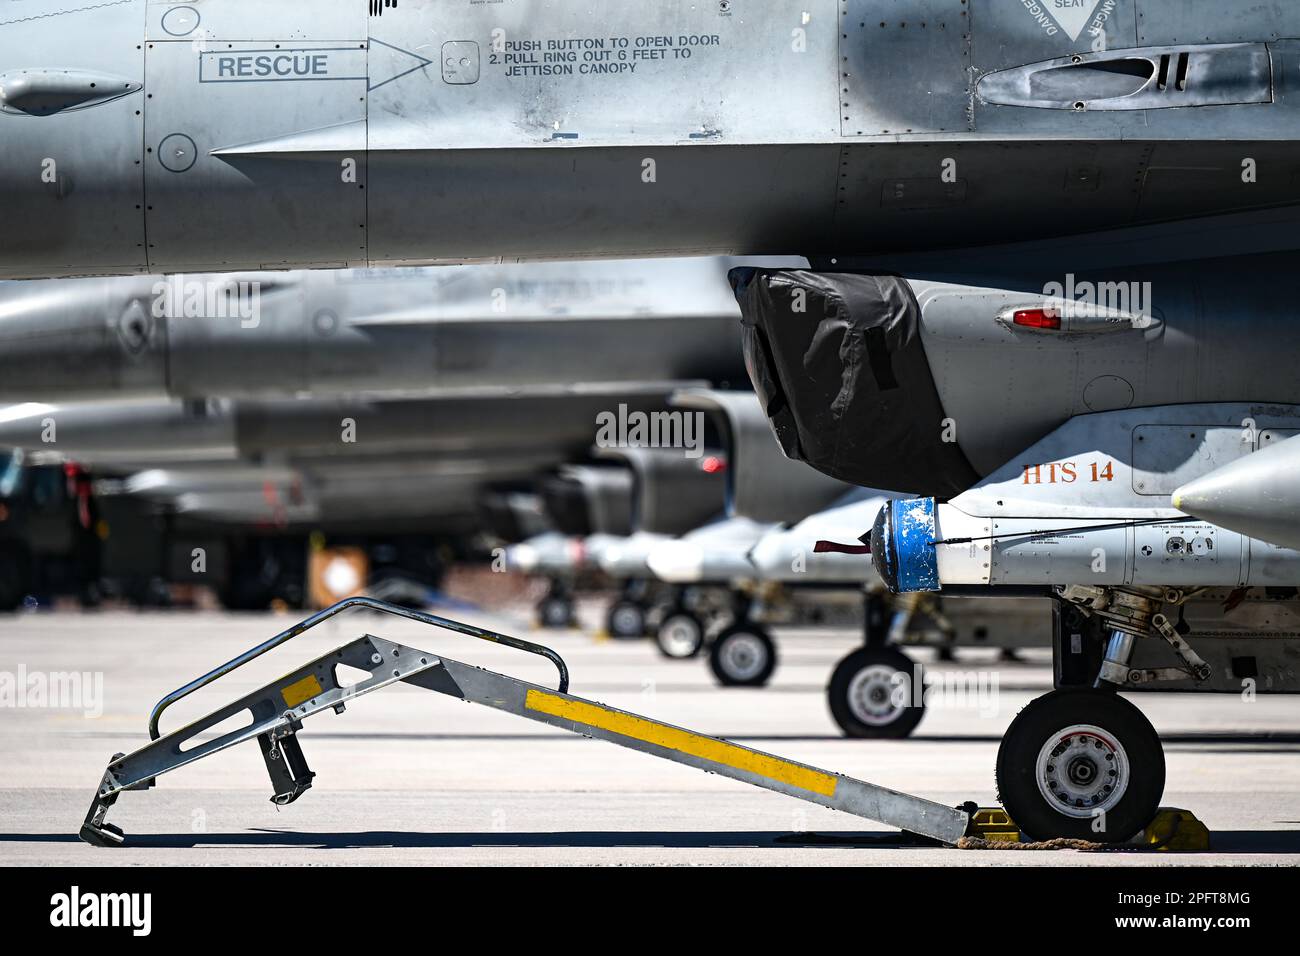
(408, 777)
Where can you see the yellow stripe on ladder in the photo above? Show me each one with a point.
(682, 741)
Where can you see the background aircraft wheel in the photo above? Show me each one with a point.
(555, 611)
(680, 635)
(626, 619)
(869, 696)
(1081, 763)
(743, 655)
(13, 578)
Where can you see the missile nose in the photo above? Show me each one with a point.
(1255, 495)
(677, 562)
(1226, 493)
(769, 554)
(522, 557)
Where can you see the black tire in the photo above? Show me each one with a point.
(1112, 744)
(868, 697)
(680, 635)
(13, 578)
(742, 655)
(244, 595)
(625, 620)
(555, 612)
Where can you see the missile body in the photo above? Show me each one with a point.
(716, 553)
(788, 555)
(550, 554)
(624, 558)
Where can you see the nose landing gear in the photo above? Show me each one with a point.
(1081, 763)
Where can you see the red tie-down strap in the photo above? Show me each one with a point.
(834, 547)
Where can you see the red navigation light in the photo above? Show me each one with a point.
(712, 465)
(1037, 318)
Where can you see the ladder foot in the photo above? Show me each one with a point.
(104, 835)
(94, 829)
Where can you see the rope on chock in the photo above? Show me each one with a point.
(1066, 843)
(1060, 843)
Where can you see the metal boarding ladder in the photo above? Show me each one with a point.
(278, 709)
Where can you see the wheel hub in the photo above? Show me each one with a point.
(556, 612)
(680, 637)
(1082, 771)
(744, 656)
(627, 620)
(871, 695)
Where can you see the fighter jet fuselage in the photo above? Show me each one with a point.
(141, 136)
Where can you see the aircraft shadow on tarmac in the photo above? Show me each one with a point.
(1223, 841)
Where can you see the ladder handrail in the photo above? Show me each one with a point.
(375, 605)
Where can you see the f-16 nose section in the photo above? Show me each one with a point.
(902, 546)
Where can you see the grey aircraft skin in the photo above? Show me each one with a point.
(144, 136)
(325, 493)
(367, 331)
(159, 431)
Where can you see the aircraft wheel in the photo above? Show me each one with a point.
(626, 619)
(555, 611)
(743, 655)
(1081, 763)
(871, 694)
(13, 579)
(680, 635)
